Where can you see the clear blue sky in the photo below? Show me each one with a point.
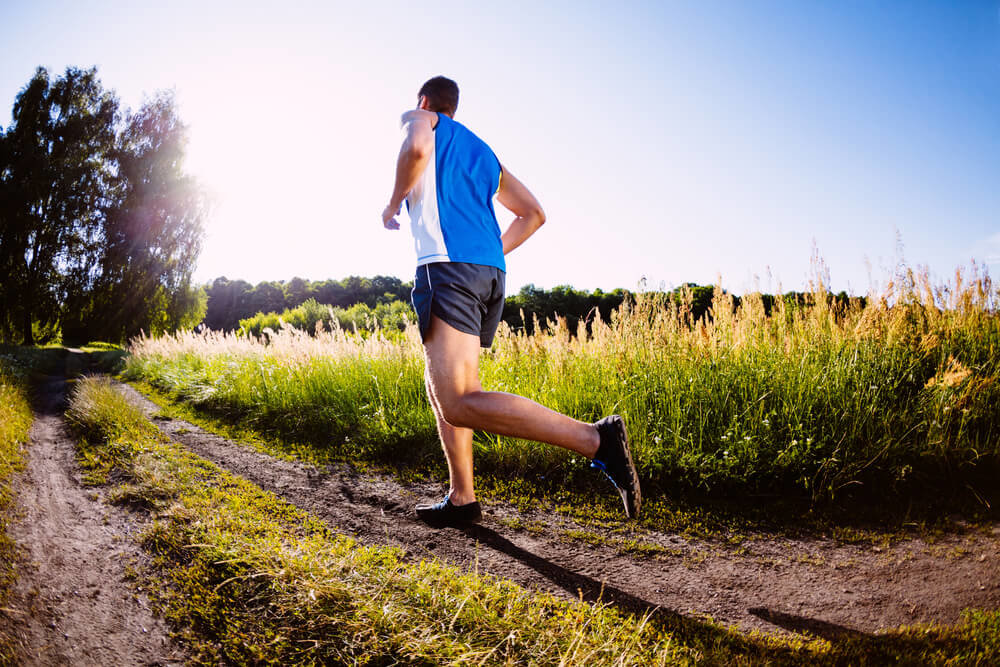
(672, 140)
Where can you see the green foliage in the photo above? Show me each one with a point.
(99, 226)
(56, 168)
(15, 421)
(150, 237)
(234, 305)
(229, 302)
(534, 306)
(387, 317)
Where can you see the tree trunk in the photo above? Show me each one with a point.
(29, 337)
(4, 321)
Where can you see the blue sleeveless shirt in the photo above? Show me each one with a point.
(451, 207)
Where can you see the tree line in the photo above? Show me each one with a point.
(230, 301)
(100, 227)
(237, 304)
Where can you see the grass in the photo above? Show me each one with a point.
(57, 360)
(15, 421)
(897, 400)
(253, 579)
(692, 517)
(248, 578)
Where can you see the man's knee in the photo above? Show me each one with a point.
(459, 410)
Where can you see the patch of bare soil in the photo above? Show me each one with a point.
(73, 603)
(768, 583)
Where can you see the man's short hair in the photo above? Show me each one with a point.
(442, 95)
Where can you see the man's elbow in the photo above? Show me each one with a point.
(539, 215)
(417, 153)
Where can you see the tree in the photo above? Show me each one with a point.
(53, 182)
(153, 230)
(267, 297)
(99, 226)
(297, 292)
(5, 226)
(562, 301)
(227, 303)
(331, 292)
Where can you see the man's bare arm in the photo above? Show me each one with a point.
(518, 200)
(413, 157)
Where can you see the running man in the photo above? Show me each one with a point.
(448, 177)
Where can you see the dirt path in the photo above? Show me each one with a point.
(766, 583)
(72, 602)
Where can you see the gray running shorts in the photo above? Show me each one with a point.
(469, 297)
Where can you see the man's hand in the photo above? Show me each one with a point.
(389, 217)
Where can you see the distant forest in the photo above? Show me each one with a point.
(233, 301)
(230, 301)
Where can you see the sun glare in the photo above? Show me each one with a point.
(279, 159)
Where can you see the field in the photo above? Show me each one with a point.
(819, 475)
(818, 401)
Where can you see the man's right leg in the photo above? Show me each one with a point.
(453, 369)
(457, 445)
(452, 360)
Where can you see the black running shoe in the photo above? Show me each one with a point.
(615, 460)
(446, 514)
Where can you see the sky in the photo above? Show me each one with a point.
(668, 142)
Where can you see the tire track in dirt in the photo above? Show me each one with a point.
(768, 583)
(72, 603)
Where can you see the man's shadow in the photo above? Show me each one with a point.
(801, 624)
(590, 590)
(576, 584)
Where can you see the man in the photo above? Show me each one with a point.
(448, 177)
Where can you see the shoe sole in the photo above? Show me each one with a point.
(437, 518)
(448, 523)
(636, 492)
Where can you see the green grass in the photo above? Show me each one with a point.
(813, 402)
(253, 579)
(57, 360)
(15, 421)
(250, 578)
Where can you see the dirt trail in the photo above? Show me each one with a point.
(72, 603)
(767, 583)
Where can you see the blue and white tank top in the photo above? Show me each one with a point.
(451, 207)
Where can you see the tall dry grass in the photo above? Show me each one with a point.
(816, 397)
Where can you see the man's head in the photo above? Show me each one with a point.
(439, 94)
